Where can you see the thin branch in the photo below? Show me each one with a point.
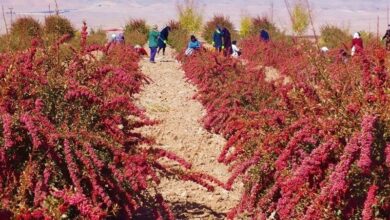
(312, 23)
(291, 18)
(57, 10)
(5, 20)
(377, 30)
(289, 10)
(8, 38)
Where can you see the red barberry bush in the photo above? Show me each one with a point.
(313, 142)
(68, 148)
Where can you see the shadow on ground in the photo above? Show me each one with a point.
(194, 210)
(184, 211)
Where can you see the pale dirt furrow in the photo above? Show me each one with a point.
(169, 99)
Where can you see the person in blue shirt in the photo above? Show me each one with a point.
(162, 39)
(264, 35)
(218, 39)
(120, 38)
(192, 45)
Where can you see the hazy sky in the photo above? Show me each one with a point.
(353, 14)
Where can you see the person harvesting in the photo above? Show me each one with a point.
(227, 41)
(386, 38)
(193, 45)
(236, 52)
(264, 35)
(217, 39)
(357, 44)
(153, 43)
(162, 39)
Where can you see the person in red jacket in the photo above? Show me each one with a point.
(357, 44)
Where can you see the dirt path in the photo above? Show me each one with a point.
(169, 99)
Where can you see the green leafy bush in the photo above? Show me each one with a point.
(23, 31)
(368, 36)
(259, 23)
(26, 26)
(332, 36)
(174, 25)
(98, 37)
(300, 19)
(135, 38)
(252, 26)
(211, 25)
(246, 25)
(136, 32)
(190, 16)
(4, 43)
(178, 39)
(57, 26)
(138, 25)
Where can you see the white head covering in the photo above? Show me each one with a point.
(113, 36)
(356, 35)
(324, 49)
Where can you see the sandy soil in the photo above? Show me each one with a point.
(169, 99)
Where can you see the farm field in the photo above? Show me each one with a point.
(292, 127)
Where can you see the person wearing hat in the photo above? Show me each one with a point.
(193, 45)
(153, 43)
(357, 44)
(264, 35)
(324, 50)
(227, 41)
(217, 39)
(387, 38)
(162, 39)
(119, 38)
(113, 38)
(236, 52)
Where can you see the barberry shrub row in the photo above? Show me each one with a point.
(312, 142)
(68, 148)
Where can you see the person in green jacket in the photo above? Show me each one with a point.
(153, 43)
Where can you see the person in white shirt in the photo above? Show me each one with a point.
(236, 50)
